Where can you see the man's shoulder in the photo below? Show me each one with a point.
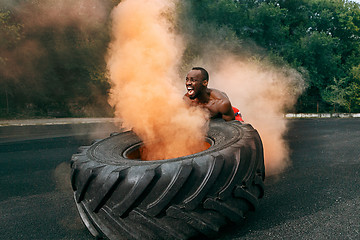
(218, 94)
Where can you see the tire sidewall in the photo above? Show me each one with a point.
(112, 150)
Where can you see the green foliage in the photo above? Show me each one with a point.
(318, 52)
(268, 24)
(336, 94)
(321, 37)
(354, 89)
(345, 92)
(10, 33)
(59, 69)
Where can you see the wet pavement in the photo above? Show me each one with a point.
(318, 197)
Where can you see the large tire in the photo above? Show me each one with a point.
(180, 198)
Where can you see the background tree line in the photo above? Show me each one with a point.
(52, 58)
(58, 69)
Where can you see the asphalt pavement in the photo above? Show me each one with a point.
(317, 197)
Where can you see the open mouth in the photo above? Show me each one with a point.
(190, 90)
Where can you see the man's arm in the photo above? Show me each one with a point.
(227, 111)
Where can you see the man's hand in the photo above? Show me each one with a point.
(227, 111)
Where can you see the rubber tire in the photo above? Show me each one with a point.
(181, 198)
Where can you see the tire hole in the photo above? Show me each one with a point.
(134, 152)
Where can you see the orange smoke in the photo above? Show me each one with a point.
(262, 93)
(142, 61)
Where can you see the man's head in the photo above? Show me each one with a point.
(196, 82)
(204, 73)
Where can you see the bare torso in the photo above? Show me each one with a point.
(217, 103)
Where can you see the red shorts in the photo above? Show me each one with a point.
(237, 114)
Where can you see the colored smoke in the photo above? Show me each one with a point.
(261, 90)
(143, 58)
(142, 61)
(262, 93)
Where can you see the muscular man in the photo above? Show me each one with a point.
(198, 94)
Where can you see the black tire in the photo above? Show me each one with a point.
(181, 198)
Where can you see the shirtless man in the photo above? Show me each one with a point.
(198, 94)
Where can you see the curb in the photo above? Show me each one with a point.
(56, 121)
(63, 121)
(321, 115)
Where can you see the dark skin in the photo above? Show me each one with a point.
(215, 101)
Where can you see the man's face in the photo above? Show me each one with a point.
(194, 83)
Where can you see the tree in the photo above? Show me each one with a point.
(354, 89)
(336, 94)
(320, 36)
(11, 34)
(55, 67)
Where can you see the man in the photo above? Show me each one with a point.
(198, 94)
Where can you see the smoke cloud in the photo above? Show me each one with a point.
(142, 62)
(35, 16)
(262, 93)
(84, 14)
(143, 59)
(48, 49)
